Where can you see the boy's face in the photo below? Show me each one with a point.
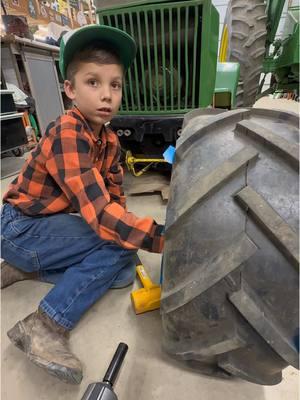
(97, 92)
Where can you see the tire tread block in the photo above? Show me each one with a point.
(207, 275)
(210, 183)
(197, 127)
(242, 368)
(256, 312)
(218, 342)
(290, 151)
(279, 232)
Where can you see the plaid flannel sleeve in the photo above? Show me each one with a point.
(114, 180)
(70, 164)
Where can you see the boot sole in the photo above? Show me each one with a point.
(18, 337)
(65, 374)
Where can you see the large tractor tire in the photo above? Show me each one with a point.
(230, 271)
(243, 40)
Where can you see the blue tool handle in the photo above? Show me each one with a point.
(161, 271)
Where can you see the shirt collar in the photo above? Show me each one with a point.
(76, 113)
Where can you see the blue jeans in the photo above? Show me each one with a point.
(64, 250)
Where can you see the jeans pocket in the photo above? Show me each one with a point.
(22, 224)
(25, 259)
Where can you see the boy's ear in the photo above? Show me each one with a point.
(69, 90)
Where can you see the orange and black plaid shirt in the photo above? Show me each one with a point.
(72, 170)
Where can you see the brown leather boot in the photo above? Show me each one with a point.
(46, 344)
(10, 274)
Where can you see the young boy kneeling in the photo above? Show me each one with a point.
(74, 169)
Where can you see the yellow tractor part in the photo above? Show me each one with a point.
(224, 45)
(131, 161)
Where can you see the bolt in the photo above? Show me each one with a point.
(127, 132)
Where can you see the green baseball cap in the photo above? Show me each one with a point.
(119, 41)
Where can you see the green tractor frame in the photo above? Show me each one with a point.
(248, 38)
(283, 61)
(177, 70)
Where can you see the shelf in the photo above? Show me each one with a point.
(7, 116)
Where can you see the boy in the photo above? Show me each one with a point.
(74, 168)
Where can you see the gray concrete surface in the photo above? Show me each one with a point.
(147, 373)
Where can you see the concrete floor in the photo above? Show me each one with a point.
(147, 373)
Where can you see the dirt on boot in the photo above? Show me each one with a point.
(11, 274)
(46, 344)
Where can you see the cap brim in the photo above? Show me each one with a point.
(119, 41)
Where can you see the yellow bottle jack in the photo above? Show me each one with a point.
(148, 297)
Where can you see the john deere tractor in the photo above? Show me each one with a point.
(176, 68)
(174, 71)
(230, 287)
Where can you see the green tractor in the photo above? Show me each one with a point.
(174, 71)
(248, 38)
(230, 290)
(176, 68)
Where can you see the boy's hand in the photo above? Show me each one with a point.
(129, 231)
